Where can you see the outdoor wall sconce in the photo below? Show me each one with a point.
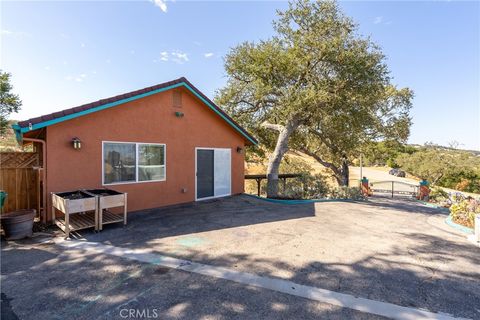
(179, 114)
(239, 149)
(76, 143)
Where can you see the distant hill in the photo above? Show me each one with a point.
(475, 152)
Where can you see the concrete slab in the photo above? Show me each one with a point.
(394, 251)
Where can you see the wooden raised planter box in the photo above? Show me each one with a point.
(108, 199)
(80, 211)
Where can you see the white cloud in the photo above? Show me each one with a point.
(82, 45)
(176, 56)
(378, 20)
(46, 68)
(208, 55)
(162, 4)
(14, 34)
(179, 57)
(164, 56)
(79, 78)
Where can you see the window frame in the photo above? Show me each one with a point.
(136, 162)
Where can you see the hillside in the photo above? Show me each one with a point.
(8, 141)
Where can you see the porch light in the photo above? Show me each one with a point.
(239, 149)
(76, 143)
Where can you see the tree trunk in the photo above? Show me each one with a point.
(281, 148)
(344, 173)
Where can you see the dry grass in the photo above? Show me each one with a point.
(8, 143)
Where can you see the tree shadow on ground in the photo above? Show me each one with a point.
(386, 276)
(49, 282)
(405, 204)
(79, 284)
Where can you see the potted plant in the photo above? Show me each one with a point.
(16, 224)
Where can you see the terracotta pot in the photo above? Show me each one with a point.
(18, 224)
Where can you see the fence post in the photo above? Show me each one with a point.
(392, 188)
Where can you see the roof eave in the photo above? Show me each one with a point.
(19, 131)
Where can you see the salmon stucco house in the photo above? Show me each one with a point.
(163, 145)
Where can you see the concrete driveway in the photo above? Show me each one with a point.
(385, 251)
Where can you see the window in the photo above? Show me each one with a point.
(133, 162)
(151, 162)
(119, 162)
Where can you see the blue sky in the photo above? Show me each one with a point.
(65, 53)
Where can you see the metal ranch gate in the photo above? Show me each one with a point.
(394, 188)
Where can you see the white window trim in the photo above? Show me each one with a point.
(136, 162)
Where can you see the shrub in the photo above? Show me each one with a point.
(306, 187)
(464, 212)
(392, 164)
(353, 193)
(438, 195)
(462, 185)
(316, 186)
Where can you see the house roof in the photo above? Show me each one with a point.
(67, 114)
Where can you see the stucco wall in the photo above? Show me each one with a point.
(151, 120)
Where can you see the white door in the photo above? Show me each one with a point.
(222, 172)
(213, 173)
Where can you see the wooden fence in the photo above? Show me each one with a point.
(20, 179)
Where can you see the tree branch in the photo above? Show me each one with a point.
(324, 140)
(324, 163)
(272, 126)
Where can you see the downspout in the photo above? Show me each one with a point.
(44, 174)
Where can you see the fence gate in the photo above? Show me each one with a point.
(20, 179)
(394, 188)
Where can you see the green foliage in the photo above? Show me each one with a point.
(315, 186)
(306, 187)
(391, 163)
(462, 179)
(353, 193)
(445, 167)
(325, 88)
(438, 195)
(384, 153)
(464, 212)
(9, 102)
(356, 102)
